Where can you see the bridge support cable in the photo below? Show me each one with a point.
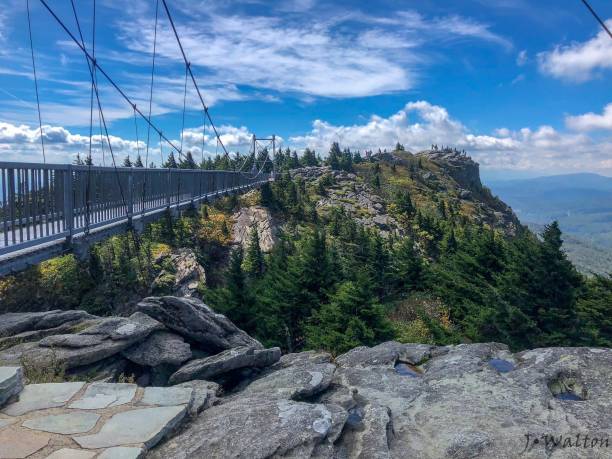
(151, 86)
(95, 64)
(42, 139)
(195, 83)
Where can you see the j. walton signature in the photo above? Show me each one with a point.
(554, 441)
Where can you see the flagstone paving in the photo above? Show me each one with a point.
(40, 396)
(103, 395)
(82, 421)
(17, 444)
(165, 396)
(69, 453)
(146, 426)
(68, 423)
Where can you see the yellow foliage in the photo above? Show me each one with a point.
(415, 331)
(158, 249)
(216, 228)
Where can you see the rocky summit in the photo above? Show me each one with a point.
(176, 380)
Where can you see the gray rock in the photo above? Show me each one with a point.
(370, 434)
(255, 217)
(385, 354)
(185, 270)
(193, 319)
(14, 323)
(147, 426)
(36, 335)
(224, 362)
(303, 358)
(295, 382)
(103, 395)
(122, 452)
(204, 395)
(167, 396)
(104, 339)
(11, 383)
(65, 424)
(159, 348)
(257, 428)
(42, 396)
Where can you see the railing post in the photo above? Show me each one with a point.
(68, 204)
(130, 197)
(169, 187)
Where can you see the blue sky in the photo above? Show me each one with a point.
(523, 86)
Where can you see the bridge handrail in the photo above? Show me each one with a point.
(43, 202)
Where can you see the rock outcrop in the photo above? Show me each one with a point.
(255, 217)
(408, 400)
(168, 336)
(233, 399)
(181, 274)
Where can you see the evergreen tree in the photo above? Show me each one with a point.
(559, 285)
(351, 318)
(138, 162)
(594, 312)
(77, 160)
(88, 160)
(170, 162)
(127, 162)
(188, 162)
(334, 156)
(407, 268)
(309, 158)
(254, 260)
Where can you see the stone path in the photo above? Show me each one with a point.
(75, 420)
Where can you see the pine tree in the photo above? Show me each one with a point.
(88, 160)
(594, 312)
(559, 287)
(138, 162)
(77, 160)
(406, 269)
(351, 318)
(188, 162)
(170, 162)
(127, 162)
(334, 156)
(254, 259)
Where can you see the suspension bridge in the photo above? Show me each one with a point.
(50, 209)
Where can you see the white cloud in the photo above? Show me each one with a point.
(339, 54)
(22, 143)
(419, 124)
(591, 121)
(522, 58)
(578, 61)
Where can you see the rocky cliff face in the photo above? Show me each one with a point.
(226, 396)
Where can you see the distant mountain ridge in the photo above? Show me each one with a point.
(581, 203)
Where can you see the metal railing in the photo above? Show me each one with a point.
(46, 202)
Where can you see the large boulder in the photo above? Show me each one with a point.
(191, 318)
(295, 382)
(258, 428)
(224, 362)
(161, 347)
(104, 339)
(11, 383)
(14, 323)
